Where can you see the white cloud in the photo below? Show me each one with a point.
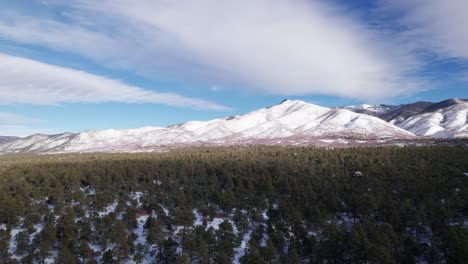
(25, 81)
(8, 118)
(436, 25)
(278, 47)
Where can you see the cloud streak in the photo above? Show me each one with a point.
(438, 26)
(25, 81)
(8, 118)
(274, 47)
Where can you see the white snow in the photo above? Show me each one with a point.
(12, 248)
(378, 109)
(37, 229)
(215, 223)
(109, 209)
(139, 231)
(451, 121)
(198, 218)
(88, 190)
(240, 251)
(137, 196)
(265, 215)
(288, 119)
(166, 211)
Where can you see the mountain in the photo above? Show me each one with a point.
(4, 139)
(448, 118)
(289, 121)
(374, 110)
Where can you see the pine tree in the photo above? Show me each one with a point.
(122, 248)
(65, 256)
(85, 250)
(108, 257)
(139, 254)
(22, 243)
(269, 253)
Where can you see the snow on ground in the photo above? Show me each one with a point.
(346, 220)
(12, 249)
(265, 215)
(95, 247)
(139, 231)
(109, 209)
(240, 251)
(215, 223)
(263, 241)
(218, 220)
(157, 182)
(37, 229)
(137, 196)
(3, 227)
(154, 214)
(166, 211)
(52, 257)
(466, 174)
(198, 218)
(88, 190)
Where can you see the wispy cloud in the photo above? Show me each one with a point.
(437, 26)
(277, 47)
(9, 118)
(25, 81)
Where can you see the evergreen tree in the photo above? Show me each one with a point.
(65, 256)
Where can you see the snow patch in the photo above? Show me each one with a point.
(241, 250)
(109, 209)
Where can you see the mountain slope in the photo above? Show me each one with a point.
(439, 120)
(290, 119)
(4, 139)
(447, 118)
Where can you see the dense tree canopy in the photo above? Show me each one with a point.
(274, 205)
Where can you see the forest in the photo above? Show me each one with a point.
(254, 204)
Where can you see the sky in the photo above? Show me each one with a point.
(69, 66)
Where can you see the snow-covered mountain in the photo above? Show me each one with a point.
(292, 120)
(448, 118)
(443, 120)
(368, 109)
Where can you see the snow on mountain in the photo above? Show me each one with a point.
(371, 109)
(286, 120)
(440, 121)
(444, 119)
(4, 139)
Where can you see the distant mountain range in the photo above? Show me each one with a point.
(4, 139)
(444, 119)
(291, 122)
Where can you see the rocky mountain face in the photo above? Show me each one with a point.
(290, 122)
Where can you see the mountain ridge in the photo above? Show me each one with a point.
(291, 122)
(294, 120)
(447, 118)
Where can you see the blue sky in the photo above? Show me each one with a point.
(85, 64)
